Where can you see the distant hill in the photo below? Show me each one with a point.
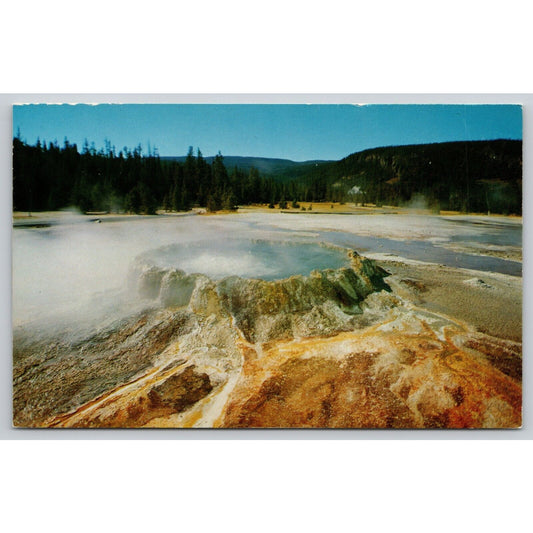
(282, 168)
(463, 175)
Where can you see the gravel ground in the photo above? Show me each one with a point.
(490, 302)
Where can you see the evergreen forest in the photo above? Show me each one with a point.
(473, 176)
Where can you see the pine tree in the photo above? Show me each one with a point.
(212, 203)
(228, 201)
(133, 201)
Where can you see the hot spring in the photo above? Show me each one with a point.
(261, 259)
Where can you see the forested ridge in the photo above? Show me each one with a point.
(468, 176)
(473, 176)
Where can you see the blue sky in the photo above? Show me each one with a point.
(298, 132)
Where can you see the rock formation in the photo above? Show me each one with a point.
(337, 348)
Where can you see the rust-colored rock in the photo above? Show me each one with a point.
(374, 379)
(335, 349)
(180, 391)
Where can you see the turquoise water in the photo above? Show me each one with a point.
(260, 259)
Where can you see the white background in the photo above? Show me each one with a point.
(279, 47)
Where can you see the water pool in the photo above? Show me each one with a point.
(263, 259)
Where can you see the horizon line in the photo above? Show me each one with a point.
(143, 154)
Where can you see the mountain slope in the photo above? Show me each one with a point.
(265, 165)
(464, 175)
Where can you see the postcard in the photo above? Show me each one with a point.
(267, 266)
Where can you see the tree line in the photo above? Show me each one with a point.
(47, 176)
(473, 176)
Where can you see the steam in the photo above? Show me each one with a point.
(263, 259)
(417, 203)
(65, 267)
(76, 271)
